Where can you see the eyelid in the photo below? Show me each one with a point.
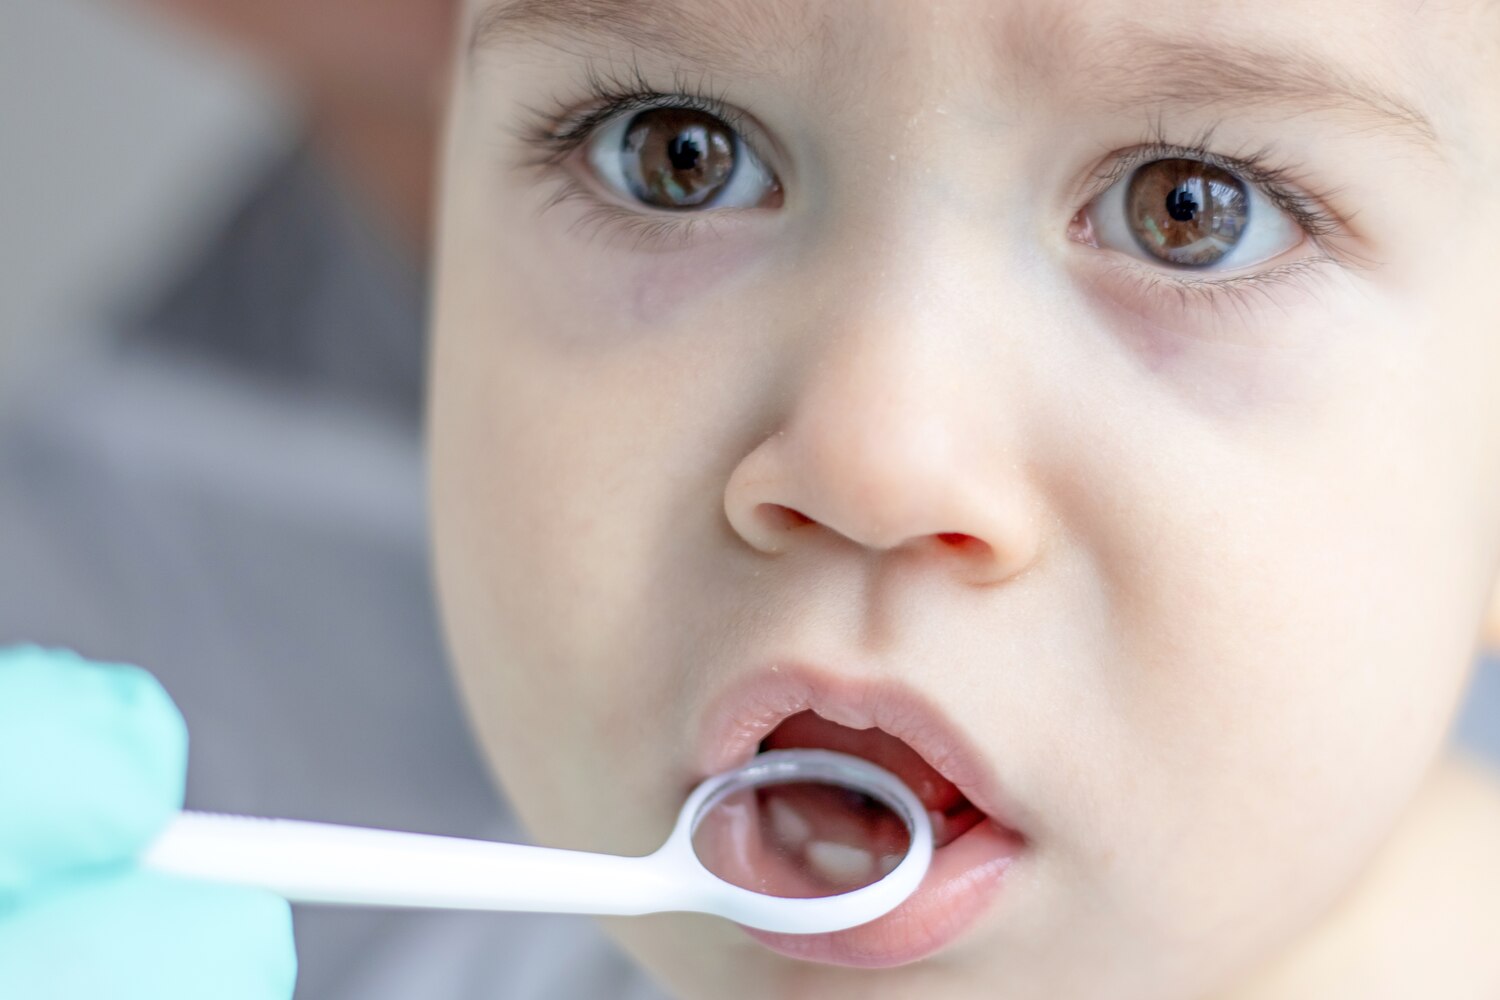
(652, 230)
(1186, 292)
(565, 128)
(568, 134)
(746, 189)
(745, 129)
(1280, 178)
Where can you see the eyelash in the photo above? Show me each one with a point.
(555, 134)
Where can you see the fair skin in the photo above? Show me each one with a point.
(1196, 575)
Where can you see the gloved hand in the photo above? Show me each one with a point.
(93, 760)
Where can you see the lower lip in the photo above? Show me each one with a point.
(962, 882)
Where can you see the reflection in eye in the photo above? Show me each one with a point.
(678, 158)
(674, 157)
(1186, 212)
(1192, 214)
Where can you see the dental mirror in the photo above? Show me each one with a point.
(795, 841)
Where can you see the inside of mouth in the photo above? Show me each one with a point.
(800, 839)
(807, 839)
(951, 813)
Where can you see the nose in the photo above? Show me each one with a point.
(895, 439)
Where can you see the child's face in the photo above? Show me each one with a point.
(879, 386)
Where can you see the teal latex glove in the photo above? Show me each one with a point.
(93, 760)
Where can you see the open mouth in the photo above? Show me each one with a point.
(951, 812)
(790, 707)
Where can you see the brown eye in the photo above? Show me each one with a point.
(685, 159)
(1186, 212)
(677, 157)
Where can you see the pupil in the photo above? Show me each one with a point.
(1181, 205)
(683, 152)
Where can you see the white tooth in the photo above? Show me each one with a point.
(789, 825)
(939, 825)
(841, 864)
(888, 863)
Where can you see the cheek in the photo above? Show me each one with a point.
(1294, 602)
(542, 567)
(566, 500)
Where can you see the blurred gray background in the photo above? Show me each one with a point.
(121, 143)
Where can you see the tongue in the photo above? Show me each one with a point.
(812, 731)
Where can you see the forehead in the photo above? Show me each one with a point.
(1030, 33)
(1402, 65)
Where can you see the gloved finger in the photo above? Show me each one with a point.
(142, 935)
(93, 762)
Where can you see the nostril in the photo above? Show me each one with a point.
(966, 544)
(974, 553)
(784, 518)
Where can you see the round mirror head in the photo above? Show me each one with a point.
(806, 824)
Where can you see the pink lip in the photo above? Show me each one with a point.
(965, 876)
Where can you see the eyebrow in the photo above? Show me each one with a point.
(710, 35)
(1132, 67)
(1196, 72)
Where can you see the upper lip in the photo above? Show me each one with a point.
(742, 715)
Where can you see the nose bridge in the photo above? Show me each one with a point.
(880, 407)
(900, 421)
(914, 359)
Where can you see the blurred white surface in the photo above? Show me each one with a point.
(119, 141)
